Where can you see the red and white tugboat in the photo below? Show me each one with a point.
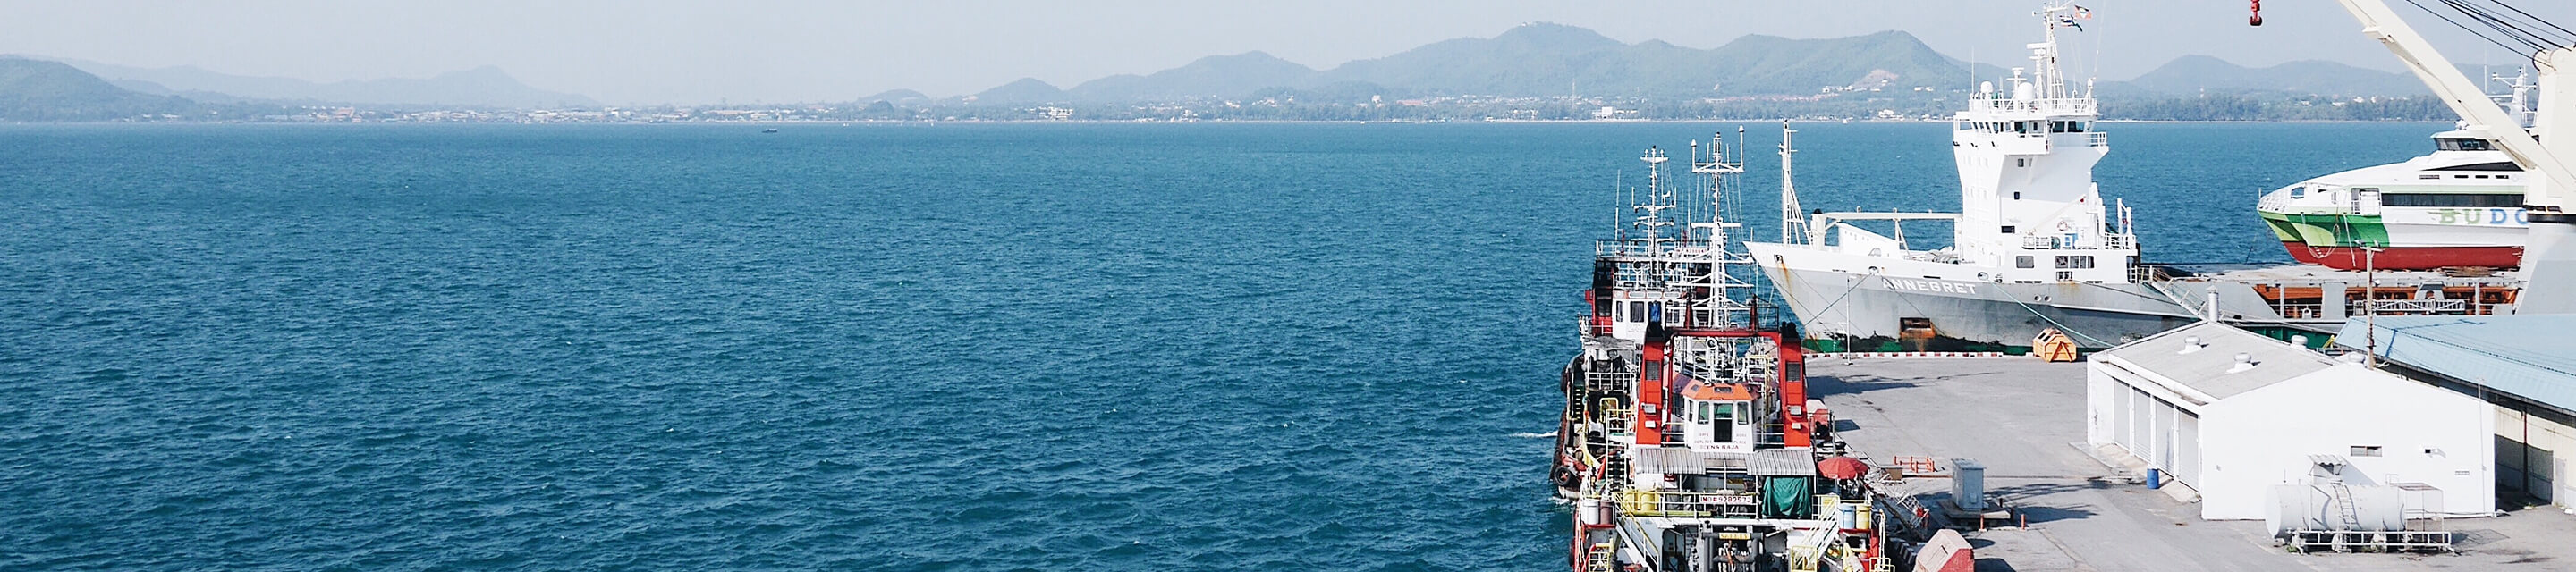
(1688, 441)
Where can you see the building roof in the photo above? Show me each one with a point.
(1790, 462)
(2211, 367)
(2532, 356)
(1680, 460)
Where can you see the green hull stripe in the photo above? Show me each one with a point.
(2328, 230)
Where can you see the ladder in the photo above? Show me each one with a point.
(1908, 512)
(2344, 504)
(1598, 558)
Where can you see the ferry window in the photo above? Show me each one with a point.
(2024, 261)
(2450, 200)
(2075, 262)
(2018, 162)
(2460, 144)
(2365, 450)
(1636, 311)
(1707, 411)
(2008, 229)
(2298, 191)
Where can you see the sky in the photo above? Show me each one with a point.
(695, 52)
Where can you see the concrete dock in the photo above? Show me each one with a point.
(2022, 418)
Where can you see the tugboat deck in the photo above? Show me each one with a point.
(2019, 416)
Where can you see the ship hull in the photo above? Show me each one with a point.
(2404, 258)
(1862, 306)
(2408, 239)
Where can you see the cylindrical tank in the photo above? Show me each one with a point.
(1595, 512)
(2314, 507)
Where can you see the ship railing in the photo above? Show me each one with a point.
(1644, 247)
(2299, 311)
(2413, 306)
(2097, 139)
(2110, 241)
(1675, 504)
(2042, 106)
(1618, 421)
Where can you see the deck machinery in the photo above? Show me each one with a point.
(1688, 442)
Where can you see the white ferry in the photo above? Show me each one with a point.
(2459, 206)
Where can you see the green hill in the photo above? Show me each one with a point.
(35, 90)
(1538, 60)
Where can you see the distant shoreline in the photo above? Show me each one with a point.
(1157, 122)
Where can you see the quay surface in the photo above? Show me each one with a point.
(2021, 418)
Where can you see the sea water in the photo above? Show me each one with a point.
(942, 347)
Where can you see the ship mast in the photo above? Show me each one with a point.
(1717, 168)
(1793, 218)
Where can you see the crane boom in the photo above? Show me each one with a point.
(2549, 256)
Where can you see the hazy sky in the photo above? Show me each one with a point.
(658, 51)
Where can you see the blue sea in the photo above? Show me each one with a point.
(949, 347)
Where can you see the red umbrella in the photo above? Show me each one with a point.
(1839, 467)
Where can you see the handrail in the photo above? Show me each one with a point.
(1679, 504)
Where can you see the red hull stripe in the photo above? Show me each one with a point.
(2406, 258)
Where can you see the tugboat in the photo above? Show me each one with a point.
(2460, 206)
(1688, 442)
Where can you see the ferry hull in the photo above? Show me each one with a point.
(2405, 258)
(2094, 315)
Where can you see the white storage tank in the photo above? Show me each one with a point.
(2315, 507)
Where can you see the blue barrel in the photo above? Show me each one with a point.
(2155, 478)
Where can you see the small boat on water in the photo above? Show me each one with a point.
(769, 130)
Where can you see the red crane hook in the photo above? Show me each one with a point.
(2257, 18)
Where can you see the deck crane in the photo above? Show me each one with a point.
(2549, 260)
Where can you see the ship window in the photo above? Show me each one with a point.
(2490, 200)
(2008, 229)
(2428, 176)
(1707, 411)
(2450, 144)
(2024, 261)
(2021, 163)
(2016, 196)
(2075, 262)
(2365, 450)
(1636, 311)
(2298, 191)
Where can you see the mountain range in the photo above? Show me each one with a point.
(1551, 60)
(482, 87)
(1532, 60)
(36, 90)
(1541, 60)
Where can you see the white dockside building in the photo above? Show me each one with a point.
(2231, 413)
(2523, 365)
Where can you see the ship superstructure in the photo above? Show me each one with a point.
(2459, 206)
(1688, 442)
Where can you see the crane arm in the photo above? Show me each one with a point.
(2556, 188)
